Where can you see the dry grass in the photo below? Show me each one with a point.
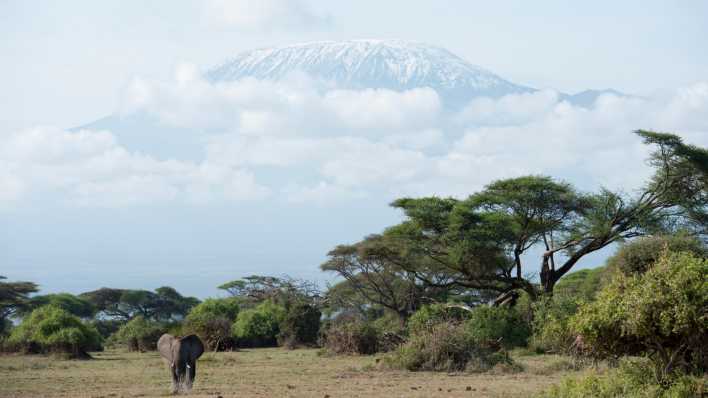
(263, 373)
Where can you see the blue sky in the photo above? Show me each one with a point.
(82, 211)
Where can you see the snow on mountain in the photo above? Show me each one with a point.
(356, 64)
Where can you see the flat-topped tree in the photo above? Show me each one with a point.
(14, 297)
(374, 273)
(478, 242)
(164, 303)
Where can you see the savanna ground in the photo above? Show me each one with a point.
(267, 372)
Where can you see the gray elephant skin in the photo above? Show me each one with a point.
(181, 356)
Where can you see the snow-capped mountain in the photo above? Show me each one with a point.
(357, 64)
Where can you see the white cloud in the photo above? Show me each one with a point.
(91, 168)
(263, 15)
(319, 145)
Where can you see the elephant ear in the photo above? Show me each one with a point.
(164, 345)
(196, 347)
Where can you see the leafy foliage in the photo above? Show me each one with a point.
(300, 326)
(211, 320)
(259, 326)
(14, 297)
(164, 304)
(373, 275)
(639, 255)
(661, 312)
(139, 334)
(52, 329)
(492, 326)
(632, 379)
(72, 304)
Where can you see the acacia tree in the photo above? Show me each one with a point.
(675, 197)
(14, 297)
(286, 291)
(374, 274)
(479, 242)
(163, 304)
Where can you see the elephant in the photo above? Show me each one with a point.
(181, 354)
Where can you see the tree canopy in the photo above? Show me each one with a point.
(478, 243)
(14, 297)
(164, 303)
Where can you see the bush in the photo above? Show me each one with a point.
(51, 329)
(632, 379)
(139, 334)
(211, 321)
(551, 324)
(434, 314)
(353, 337)
(639, 255)
(661, 313)
(491, 326)
(446, 346)
(300, 326)
(259, 326)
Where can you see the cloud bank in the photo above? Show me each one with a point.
(302, 143)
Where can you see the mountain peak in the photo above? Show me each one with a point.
(371, 63)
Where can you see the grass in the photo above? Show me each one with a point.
(268, 372)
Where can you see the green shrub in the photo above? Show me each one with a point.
(211, 321)
(551, 331)
(139, 334)
(497, 325)
(300, 326)
(661, 312)
(434, 314)
(52, 329)
(639, 255)
(632, 379)
(446, 346)
(259, 326)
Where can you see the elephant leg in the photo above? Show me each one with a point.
(191, 373)
(181, 371)
(175, 379)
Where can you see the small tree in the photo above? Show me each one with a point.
(139, 334)
(211, 321)
(300, 326)
(662, 313)
(52, 329)
(259, 326)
